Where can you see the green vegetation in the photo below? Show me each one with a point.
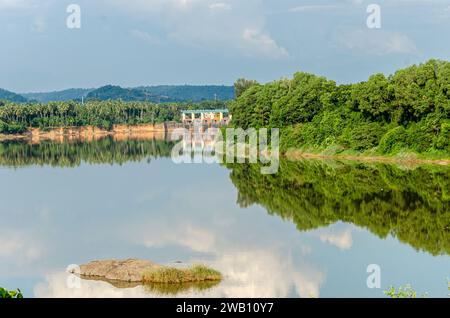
(70, 94)
(402, 292)
(389, 200)
(10, 293)
(12, 97)
(72, 154)
(165, 93)
(168, 275)
(408, 112)
(156, 94)
(174, 289)
(111, 92)
(16, 118)
(411, 205)
(241, 85)
(180, 93)
(405, 292)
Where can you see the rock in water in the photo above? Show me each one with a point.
(130, 270)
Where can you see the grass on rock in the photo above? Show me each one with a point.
(167, 275)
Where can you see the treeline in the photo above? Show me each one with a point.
(111, 92)
(17, 118)
(13, 97)
(411, 205)
(162, 94)
(191, 93)
(405, 112)
(72, 154)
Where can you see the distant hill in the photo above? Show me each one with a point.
(64, 95)
(192, 93)
(12, 97)
(155, 94)
(117, 92)
(163, 93)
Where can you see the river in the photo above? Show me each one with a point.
(311, 230)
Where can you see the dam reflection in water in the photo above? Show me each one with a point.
(311, 230)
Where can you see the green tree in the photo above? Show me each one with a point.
(241, 85)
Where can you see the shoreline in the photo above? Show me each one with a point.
(298, 155)
(161, 131)
(89, 133)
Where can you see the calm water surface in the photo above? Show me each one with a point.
(309, 231)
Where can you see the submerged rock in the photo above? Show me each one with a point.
(130, 270)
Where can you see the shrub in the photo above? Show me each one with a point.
(291, 137)
(420, 136)
(393, 141)
(442, 141)
(12, 128)
(402, 292)
(10, 293)
(366, 136)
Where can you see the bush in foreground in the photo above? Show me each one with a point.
(4, 293)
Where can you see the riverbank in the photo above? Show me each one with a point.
(89, 133)
(162, 132)
(411, 159)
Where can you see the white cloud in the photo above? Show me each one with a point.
(12, 4)
(308, 280)
(232, 27)
(144, 7)
(186, 235)
(220, 6)
(260, 44)
(266, 273)
(39, 25)
(250, 269)
(145, 36)
(313, 7)
(341, 239)
(17, 247)
(376, 42)
(20, 4)
(356, 2)
(55, 286)
(247, 274)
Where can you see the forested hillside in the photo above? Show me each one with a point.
(192, 93)
(161, 94)
(58, 96)
(12, 97)
(155, 94)
(407, 112)
(111, 92)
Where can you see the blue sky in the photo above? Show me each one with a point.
(150, 42)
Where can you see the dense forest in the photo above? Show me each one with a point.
(407, 112)
(72, 154)
(58, 96)
(156, 94)
(162, 94)
(17, 118)
(10, 96)
(411, 205)
(111, 92)
(192, 93)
